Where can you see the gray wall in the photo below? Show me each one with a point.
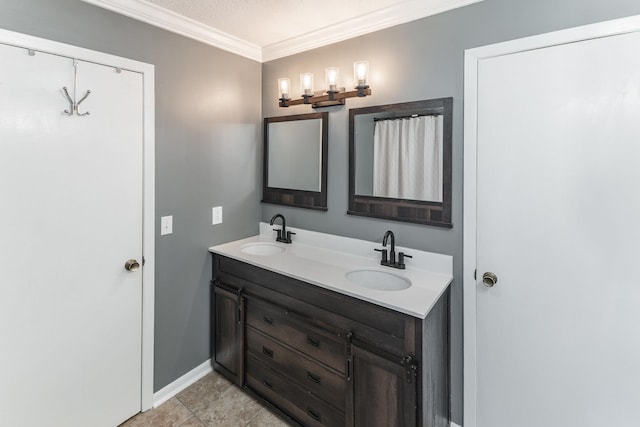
(419, 60)
(208, 147)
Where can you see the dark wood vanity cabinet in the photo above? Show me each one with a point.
(321, 358)
(227, 327)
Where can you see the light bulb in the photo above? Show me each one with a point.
(306, 83)
(361, 72)
(333, 78)
(284, 86)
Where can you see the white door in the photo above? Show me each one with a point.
(558, 222)
(71, 215)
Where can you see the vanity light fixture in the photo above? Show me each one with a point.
(333, 94)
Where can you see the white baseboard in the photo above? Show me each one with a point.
(454, 425)
(170, 390)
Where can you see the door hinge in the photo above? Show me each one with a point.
(475, 274)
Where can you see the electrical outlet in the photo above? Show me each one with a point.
(166, 225)
(216, 215)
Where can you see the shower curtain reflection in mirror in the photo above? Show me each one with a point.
(407, 158)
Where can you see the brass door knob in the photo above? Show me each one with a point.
(489, 279)
(132, 265)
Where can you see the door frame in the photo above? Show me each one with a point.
(472, 59)
(148, 193)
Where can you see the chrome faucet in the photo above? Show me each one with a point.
(390, 260)
(283, 235)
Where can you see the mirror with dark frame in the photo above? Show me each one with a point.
(400, 161)
(295, 160)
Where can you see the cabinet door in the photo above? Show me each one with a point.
(228, 330)
(381, 393)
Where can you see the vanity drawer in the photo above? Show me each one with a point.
(320, 380)
(297, 402)
(293, 331)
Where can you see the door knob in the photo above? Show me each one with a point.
(489, 279)
(132, 265)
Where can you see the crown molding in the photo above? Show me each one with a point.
(364, 24)
(171, 21)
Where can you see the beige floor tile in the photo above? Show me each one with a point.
(193, 422)
(210, 402)
(233, 409)
(204, 392)
(170, 414)
(267, 419)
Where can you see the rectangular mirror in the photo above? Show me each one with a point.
(295, 160)
(400, 161)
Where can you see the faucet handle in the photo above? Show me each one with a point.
(289, 233)
(384, 255)
(401, 257)
(279, 236)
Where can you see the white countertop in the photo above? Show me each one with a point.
(324, 259)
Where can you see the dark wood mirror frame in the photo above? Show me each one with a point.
(291, 197)
(416, 211)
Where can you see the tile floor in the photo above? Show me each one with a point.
(212, 401)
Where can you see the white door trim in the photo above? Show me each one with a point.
(472, 59)
(148, 244)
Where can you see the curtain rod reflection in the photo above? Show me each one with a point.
(411, 116)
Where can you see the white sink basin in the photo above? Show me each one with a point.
(378, 280)
(262, 249)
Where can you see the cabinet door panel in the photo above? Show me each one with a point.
(227, 324)
(381, 394)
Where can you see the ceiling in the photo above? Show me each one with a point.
(268, 29)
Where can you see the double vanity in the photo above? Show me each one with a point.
(324, 334)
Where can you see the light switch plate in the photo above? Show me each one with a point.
(166, 225)
(216, 215)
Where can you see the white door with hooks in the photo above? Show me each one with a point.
(71, 188)
(552, 225)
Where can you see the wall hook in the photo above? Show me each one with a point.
(73, 105)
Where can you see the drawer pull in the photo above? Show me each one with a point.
(315, 343)
(267, 320)
(267, 351)
(267, 383)
(313, 414)
(314, 378)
